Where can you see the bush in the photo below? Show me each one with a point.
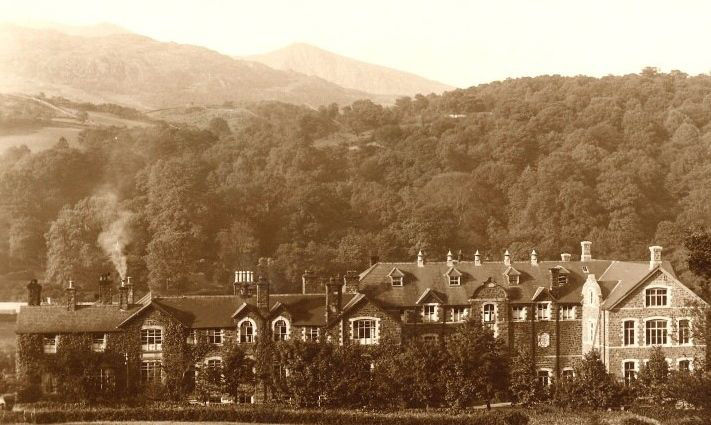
(29, 393)
(635, 421)
(516, 418)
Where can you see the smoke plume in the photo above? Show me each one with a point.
(115, 234)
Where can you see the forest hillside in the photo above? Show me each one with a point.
(544, 163)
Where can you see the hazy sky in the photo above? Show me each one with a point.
(461, 43)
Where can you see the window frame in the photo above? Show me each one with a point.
(308, 333)
(429, 338)
(98, 347)
(630, 380)
(374, 331)
(666, 296)
(461, 314)
(148, 374)
(548, 377)
(491, 313)
(244, 338)
(286, 327)
(685, 359)
(153, 333)
(569, 309)
(666, 335)
(396, 281)
(455, 280)
(547, 315)
(50, 348)
(430, 318)
(689, 338)
(524, 313)
(635, 332)
(216, 336)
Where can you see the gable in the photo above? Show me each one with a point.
(429, 297)
(490, 291)
(679, 294)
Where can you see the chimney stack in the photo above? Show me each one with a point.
(507, 258)
(123, 296)
(105, 289)
(71, 296)
(243, 283)
(477, 258)
(374, 259)
(351, 281)
(534, 258)
(34, 293)
(585, 251)
(263, 294)
(565, 257)
(310, 284)
(555, 272)
(129, 285)
(450, 258)
(333, 299)
(655, 256)
(420, 259)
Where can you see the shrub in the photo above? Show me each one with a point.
(29, 393)
(516, 418)
(635, 421)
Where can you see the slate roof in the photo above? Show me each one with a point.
(626, 275)
(57, 319)
(376, 285)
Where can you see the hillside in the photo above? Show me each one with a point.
(532, 163)
(137, 71)
(347, 72)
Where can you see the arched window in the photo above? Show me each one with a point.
(281, 330)
(489, 312)
(246, 332)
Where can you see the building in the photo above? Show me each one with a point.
(558, 309)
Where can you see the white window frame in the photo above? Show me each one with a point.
(524, 312)
(429, 338)
(151, 377)
(493, 314)
(375, 335)
(396, 281)
(636, 336)
(636, 369)
(192, 337)
(547, 313)
(668, 331)
(658, 286)
(678, 332)
(549, 371)
(287, 325)
(459, 314)
(566, 369)
(308, 334)
(214, 335)
(455, 280)
(252, 337)
(207, 361)
(433, 318)
(50, 343)
(685, 359)
(155, 346)
(100, 346)
(571, 309)
(512, 279)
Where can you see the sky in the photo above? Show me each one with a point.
(461, 43)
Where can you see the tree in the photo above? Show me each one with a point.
(420, 374)
(698, 244)
(219, 127)
(524, 386)
(238, 375)
(591, 387)
(654, 376)
(476, 368)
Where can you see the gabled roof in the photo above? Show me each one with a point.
(629, 279)
(57, 319)
(453, 272)
(395, 272)
(429, 293)
(562, 270)
(512, 272)
(540, 291)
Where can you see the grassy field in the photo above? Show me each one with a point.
(37, 138)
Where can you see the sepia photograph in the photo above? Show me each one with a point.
(382, 212)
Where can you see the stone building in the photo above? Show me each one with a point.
(557, 309)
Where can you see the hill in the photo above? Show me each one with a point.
(347, 72)
(138, 71)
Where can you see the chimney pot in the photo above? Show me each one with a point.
(420, 259)
(374, 259)
(34, 293)
(565, 257)
(534, 258)
(450, 258)
(655, 256)
(585, 251)
(477, 258)
(507, 258)
(71, 296)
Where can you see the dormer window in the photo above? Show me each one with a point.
(511, 275)
(454, 276)
(396, 277)
(562, 279)
(454, 280)
(513, 280)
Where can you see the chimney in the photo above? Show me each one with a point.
(374, 259)
(507, 258)
(123, 296)
(333, 299)
(477, 258)
(71, 296)
(263, 294)
(129, 296)
(244, 279)
(585, 251)
(534, 258)
(310, 284)
(565, 257)
(655, 256)
(420, 259)
(555, 272)
(351, 281)
(105, 289)
(460, 256)
(34, 293)
(450, 259)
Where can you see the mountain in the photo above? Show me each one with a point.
(347, 72)
(134, 70)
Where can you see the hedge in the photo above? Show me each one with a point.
(264, 415)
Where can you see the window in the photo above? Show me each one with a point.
(105, 379)
(214, 363)
(684, 365)
(513, 279)
(311, 333)
(49, 343)
(429, 313)
(151, 339)
(656, 332)
(586, 270)
(630, 371)
(246, 332)
(98, 342)
(566, 312)
(562, 279)
(489, 313)
(518, 313)
(544, 378)
(50, 383)
(543, 311)
(244, 398)
(656, 297)
(628, 328)
(684, 332)
(364, 331)
(591, 331)
(459, 314)
(151, 371)
(567, 374)
(192, 337)
(214, 336)
(430, 338)
(454, 280)
(281, 331)
(396, 280)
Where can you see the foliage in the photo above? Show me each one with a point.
(654, 376)
(591, 387)
(524, 386)
(476, 367)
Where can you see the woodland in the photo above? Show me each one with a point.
(531, 163)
